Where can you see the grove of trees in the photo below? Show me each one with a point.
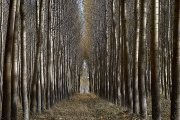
(135, 53)
(40, 58)
(132, 49)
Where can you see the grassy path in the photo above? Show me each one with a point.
(84, 107)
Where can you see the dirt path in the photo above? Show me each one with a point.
(84, 107)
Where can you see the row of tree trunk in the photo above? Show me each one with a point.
(135, 53)
(40, 57)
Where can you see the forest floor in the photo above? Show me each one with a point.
(90, 107)
(165, 108)
(85, 107)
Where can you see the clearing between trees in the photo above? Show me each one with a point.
(90, 107)
(84, 107)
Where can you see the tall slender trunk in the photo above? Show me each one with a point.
(1, 53)
(175, 98)
(6, 104)
(14, 82)
(24, 77)
(122, 51)
(155, 83)
(49, 55)
(37, 56)
(135, 63)
(141, 70)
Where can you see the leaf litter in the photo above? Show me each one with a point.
(85, 107)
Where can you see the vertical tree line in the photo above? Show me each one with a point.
(134, 54)
(41, 55)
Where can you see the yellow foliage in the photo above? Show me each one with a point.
(85, 40)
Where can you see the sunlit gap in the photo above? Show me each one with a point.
(84, 44)
(84, 81)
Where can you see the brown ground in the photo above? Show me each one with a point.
(84, 107)
(91, 107)
(165, 108)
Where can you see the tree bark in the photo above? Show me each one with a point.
(14, 82)
(141, 72)
(6, 104)
(24, 77)
(37, 56)
(175, 98)
(155, 83)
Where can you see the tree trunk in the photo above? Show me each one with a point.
(175, 98)
(49, 55)
(6, 105)
(14, 82)
(37, 56)
(24, 77)
(135, 65)
(155, 85)
(141, 72)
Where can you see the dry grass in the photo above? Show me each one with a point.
(84, 107)
(91, 107)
